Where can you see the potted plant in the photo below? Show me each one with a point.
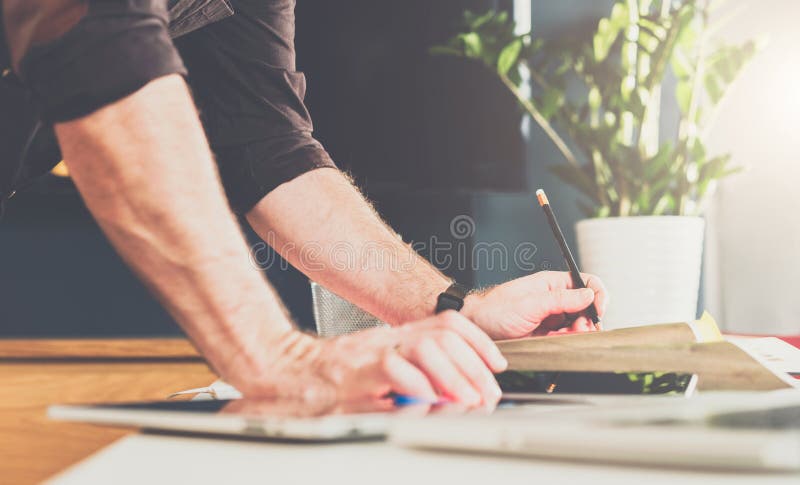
(642, 193)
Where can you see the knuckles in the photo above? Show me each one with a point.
(433, 341)
(447, 339)
(451, 320)
(425, 346)
(388, 362)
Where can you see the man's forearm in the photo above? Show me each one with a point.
(323, 226)
(143, 166)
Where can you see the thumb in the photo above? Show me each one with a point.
(569, 301)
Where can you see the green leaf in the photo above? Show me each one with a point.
(603, 211)
(652, 28)
(501, 17)
(594, 98)
(509, 56)
(473, 45)
(663, 205)
(608, 30)
(550, 102)
(697, 149)
(681, 38)
(658, 166)
(715, 168)
(731, 171)
(475, 22)
(723, 67)
(627, 87)
(683, 94)
(681, 64)
(648, 42)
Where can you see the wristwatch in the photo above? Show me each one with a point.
(452, 298)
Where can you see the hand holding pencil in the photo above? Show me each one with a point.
(540, 303)
(575, 274)
(536, 304)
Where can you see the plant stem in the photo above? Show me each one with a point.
(630, 62)
(648, 141)
(541, 121)
(540, 80)
(687, 130)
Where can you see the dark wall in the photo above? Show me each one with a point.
(60, 277)
(392, 114)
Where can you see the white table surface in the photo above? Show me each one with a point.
(152, 459)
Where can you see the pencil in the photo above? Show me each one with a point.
(575, 274)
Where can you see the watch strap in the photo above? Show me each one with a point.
(452, 298)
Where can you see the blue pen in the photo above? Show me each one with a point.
(404, 400)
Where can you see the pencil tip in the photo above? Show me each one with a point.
(542, 197)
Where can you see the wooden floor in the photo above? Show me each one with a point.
(37, 373)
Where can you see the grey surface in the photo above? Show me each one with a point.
(336, 316)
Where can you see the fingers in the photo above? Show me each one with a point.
(443, 373)
(562, 280)
(564, 323)
(406, 379)
(600, 292)
(456, 357)
(471, 367)
(582, 324)
(569, 301)
(475, 337)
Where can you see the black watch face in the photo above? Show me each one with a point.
(448, 302)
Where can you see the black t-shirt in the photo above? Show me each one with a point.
(242, 73)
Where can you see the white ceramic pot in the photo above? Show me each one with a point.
(650, 266)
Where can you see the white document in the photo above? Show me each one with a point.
(771, 351)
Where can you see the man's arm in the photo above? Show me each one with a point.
(145, 171)
(323, 226)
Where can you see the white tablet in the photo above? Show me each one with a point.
(280, 420)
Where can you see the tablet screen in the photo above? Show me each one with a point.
(637, 383)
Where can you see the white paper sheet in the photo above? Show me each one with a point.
(774, 352)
